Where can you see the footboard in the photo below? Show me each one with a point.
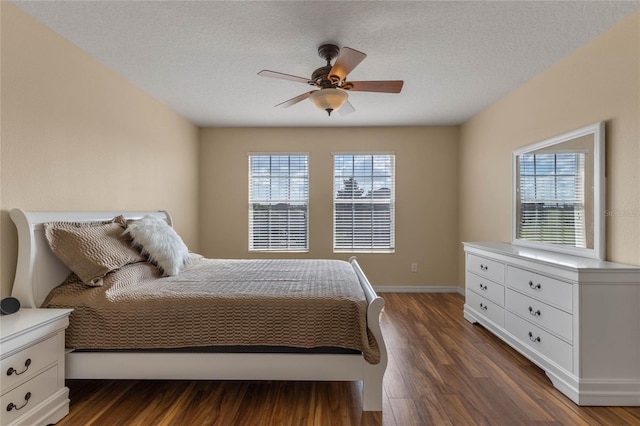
(373, 373)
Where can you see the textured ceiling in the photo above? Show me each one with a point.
(201, 57)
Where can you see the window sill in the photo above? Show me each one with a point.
(278, 251)
(390, 251)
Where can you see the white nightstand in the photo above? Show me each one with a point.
(32, 367)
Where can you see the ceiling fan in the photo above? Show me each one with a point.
(331, 94)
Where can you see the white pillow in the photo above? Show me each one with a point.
(160, 243)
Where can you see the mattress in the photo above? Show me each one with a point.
(299, 303)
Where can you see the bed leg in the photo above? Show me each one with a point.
(372, 388)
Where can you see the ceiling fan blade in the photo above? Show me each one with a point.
(282, 76)
(384, 86)
(346, 108)
(346, 61)
(295, 100)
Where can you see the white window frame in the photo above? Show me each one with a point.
(554, 187)
(369, 240)
(269, 198)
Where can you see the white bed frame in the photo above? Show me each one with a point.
(39, 271)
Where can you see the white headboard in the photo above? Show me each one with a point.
(38, 270)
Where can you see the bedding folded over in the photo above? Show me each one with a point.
(219, 302)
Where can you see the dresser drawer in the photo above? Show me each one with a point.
(485, 287)
(485, 268)
(28, 395)
(485, 307)
(541, 341)
(556, 292)
(26, 363)
(541, 314)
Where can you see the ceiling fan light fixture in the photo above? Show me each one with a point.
(329, 99)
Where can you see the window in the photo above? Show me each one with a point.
(363, 202)
(552, 198)
(278, 202)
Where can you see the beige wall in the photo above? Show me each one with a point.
(426, 195)
(75, 135)
(600, 81)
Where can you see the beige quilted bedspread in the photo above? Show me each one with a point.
(214, 302)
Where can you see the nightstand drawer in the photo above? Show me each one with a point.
(485, 287)
(558, 293)
(485, 307)
(20, 366)
(485, 268)
(28, 395)
(541, 314)
(541, 341)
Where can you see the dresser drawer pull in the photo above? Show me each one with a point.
(534, 339)
(483, 306)
(483, 287)
(484, 267)
(11, 370)
(535, 313)
(11, 405)
(536, 286)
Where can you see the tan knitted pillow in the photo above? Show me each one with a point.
(92, 249)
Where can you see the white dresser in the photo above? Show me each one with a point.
(576, 318)
(32, 367)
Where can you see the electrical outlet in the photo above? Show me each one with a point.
(414, 267)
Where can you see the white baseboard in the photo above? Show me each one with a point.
(418, 289)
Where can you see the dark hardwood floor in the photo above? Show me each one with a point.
(442, 371)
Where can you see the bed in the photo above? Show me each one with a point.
(39, 271)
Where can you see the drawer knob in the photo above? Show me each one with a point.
(535, 286)
(535, 313)
(534, 339)
(483, 287)
(483, 306)
(484, 267)
(12, 406)
(11, 370)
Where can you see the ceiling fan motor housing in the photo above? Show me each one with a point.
(321, 77)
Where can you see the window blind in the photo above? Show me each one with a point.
(278, 202)
(552, 198)
(364, 202)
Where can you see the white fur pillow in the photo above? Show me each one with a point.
(160, 243)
